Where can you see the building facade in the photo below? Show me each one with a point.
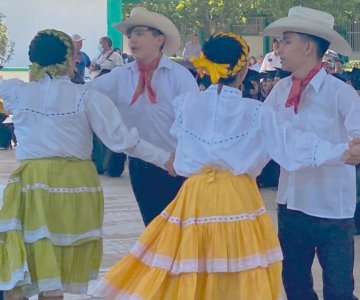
(91, 19)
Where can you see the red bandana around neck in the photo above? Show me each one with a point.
(144, 83)
(298, 86)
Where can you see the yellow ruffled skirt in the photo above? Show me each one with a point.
(214, 241)
(51, 227)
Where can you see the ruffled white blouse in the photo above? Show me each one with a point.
(230, 132)
(57, 118)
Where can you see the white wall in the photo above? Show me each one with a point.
(24, 18)
(256, 44)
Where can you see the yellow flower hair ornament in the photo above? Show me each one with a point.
(207, 67)
(216, 71)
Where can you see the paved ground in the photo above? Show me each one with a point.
(123, 223)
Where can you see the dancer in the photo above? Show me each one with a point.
(215, 240)
(51, 219)
(316, 205)
(144, 92)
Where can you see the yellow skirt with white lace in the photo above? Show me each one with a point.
(214, 241)
(50, 226)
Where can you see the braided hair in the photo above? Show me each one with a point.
(50, 51)
(223, 55)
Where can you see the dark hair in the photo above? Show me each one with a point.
(321, 45)
(355, 78)
(107, 40)
(230, 54)
(47, 49)
(276, 41)
(205, 81)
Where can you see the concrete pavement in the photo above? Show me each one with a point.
(123, 224)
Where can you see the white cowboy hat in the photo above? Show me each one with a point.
(139, 16)
(313, 22)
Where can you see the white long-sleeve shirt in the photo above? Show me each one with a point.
(106, 61)
(270, 62)
(233, 133)
(56, 118)
(330, 109)
(153, 121)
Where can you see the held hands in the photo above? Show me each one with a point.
(352, 155)
(169, 165)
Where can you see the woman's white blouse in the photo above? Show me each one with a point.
(56, 118)
(230, 132)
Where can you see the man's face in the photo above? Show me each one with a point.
(292, 51)
(195, 39)
(78, 45)
(104, 44)
(339, 67)
(267, 84)
(276, 48)
(143, 44)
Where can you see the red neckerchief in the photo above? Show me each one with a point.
(144, 82)
(298, 86)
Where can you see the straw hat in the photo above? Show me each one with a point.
(139, 16)
(313, 22)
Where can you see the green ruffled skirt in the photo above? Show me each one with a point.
(51, 226)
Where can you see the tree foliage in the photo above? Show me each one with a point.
(6, 46)
(190, 15)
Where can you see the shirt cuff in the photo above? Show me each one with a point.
(330, 154)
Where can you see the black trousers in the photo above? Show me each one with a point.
(301, 236)
(106, 160)
(153, 187)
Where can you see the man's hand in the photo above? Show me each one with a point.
(352, 155)
(169, 165)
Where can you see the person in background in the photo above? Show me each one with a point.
(339, 69)
(251, 85)
(81, 58)
(104, 159)
(106, 60)
(329, 66)
(315, 205)
(267, 84)
(192, 48)
(272, 59)
(252, 62)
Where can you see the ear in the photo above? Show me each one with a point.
(309, 48)
(161, 41)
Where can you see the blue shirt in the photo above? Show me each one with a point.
(84, 62)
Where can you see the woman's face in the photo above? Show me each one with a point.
(252, 61)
